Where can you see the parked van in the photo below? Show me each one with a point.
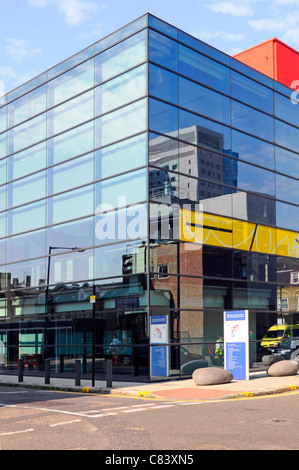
(278, 333)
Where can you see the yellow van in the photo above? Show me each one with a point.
(278, 333)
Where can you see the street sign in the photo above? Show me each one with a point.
(236, 343)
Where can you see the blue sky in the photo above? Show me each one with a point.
(37, 34)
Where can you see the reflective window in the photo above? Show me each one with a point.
(3, 190)
(27, 161)
(121, 157)
(121, 90)
(69, 144)
(26, 218)
(163, 152)
(252, 121)
(255, 179)
(3, 227)
(286, 135)
(70, 205)
(285, 109)
(122, 190)
(200, 131)
(68, 175)
(163, 84)
(251, 92)
(124, 224)
(254, 208)
(29, 273)
(122, 123)
(204, 70)
(287, 189)
(27, 246)
(3, 118)
(71, 113)
(71, 83)
(3, 151)
(163, 185)
(286, 162)
(27, 134)
(3, 164)
(121, 57)
(78, 233)
(287, 216)
(27, 189)
(27, 106)
(71, 266)
(204, 101)
(163, 118)
(162, 50)
(253, 150)
(110, 260)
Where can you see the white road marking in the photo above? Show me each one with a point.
(15, 432)
(65, 422)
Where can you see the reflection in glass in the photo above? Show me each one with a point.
(251, 92)
(81, 170)
(121, 90)
(120, 259)
(70, 205)
(121, 157)
(26, 218)
(122, 123)
(286, 161)
(287, 189)
(71, 113)
(285, 109)
(121, 57)
(26, 274)
(122, 190)
(163, 152)
(163, 118)
(286, 135)
(74, 142)
(162, 50)
(163, 84)
(27, 161)
(27, 189)
(255, 179)
(252, 121)
(78, 233)
(71, 83)
(203, 69)
(27, 106)
(72, 266)
(253, 150)
(27, 246)
(27, 134)
(203, 101)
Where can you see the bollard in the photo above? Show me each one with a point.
(109, 373)
(78, 372)
(21, 370)
(47, 371)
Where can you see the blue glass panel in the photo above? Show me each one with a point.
(253, 150)
(251, 92)
(121, 57)
(27, 134)
(287, 216)
(162, 26)
(27, 217)
(163, 84)
(78, 233)
(70, 205)
(3, 118)
(203, 69)
(164, 152)
(255, 179)
(286, 162)
(287, 110)
(27, 161)
(204, 101)
(33, 271)
(122, 123)
(27, 106)
(203, 47)
(80, 169)
(26, 246)
(287, 189)
(205, 133)
(163, 118)
(286, 135)
(162, 50)
(27, 189)
(252, 121)
(121, 157)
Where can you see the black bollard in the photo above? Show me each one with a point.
(21, 370)
(77, 372)
(47, 371)
(108, 373)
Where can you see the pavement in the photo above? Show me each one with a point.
(259, 384)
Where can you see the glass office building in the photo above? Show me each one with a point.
(147, 184)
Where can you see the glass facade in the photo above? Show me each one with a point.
(146, 184)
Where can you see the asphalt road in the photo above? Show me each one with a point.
(50, 420)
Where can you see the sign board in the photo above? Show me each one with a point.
(159, 348)
(236, 343)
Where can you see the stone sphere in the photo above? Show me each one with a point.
(283, 368)
(211, 376)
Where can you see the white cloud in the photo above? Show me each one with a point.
(20, 49)
(235, 8)
(73, 11)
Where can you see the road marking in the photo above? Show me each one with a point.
(134, 410)
(15, 432)
(161, 406)
(65, 422)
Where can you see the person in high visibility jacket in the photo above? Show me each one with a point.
(218, 351)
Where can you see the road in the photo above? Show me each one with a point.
(51, 420)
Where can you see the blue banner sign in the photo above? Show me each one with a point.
(236, 343)
(159, 348)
